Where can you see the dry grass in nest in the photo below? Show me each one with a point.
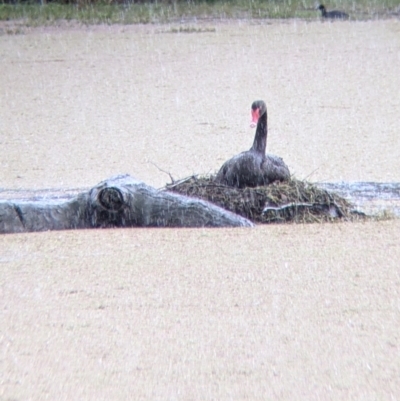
(291, 201)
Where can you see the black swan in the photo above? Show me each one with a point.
(253, 167)
(332, 14)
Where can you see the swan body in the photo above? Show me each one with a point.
(332, 14)
(254, 167)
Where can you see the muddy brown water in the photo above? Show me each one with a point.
(276, 312)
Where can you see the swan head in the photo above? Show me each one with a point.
(258, 108)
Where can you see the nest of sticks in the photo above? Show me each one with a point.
(280, 202)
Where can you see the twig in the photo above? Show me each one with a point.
(309, 175)
(176, 183)
(166, 172)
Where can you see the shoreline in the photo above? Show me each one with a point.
(8, 26)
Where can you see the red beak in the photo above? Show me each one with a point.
(255, 115)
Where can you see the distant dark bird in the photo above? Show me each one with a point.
(332, 14)
(254, 168)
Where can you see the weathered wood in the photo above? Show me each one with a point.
(369, 198)
(123, 201)
(18, 216)
(120, 201)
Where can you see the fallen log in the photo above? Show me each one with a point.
(369, 198)
(120, 201)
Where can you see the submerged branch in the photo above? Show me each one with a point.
(120, 201)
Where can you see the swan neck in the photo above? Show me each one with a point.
(260, 139)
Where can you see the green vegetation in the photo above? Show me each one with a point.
(172, 11)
